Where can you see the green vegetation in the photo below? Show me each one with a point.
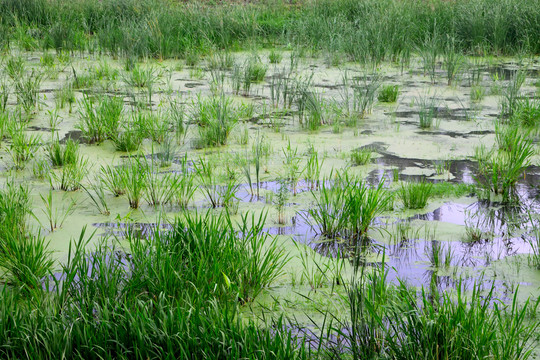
(194, 121)
(415, 195)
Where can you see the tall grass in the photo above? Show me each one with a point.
(390, 29)
(396, 322)
(142, 306)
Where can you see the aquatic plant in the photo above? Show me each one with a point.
(147, 285)
(511, 93)
(388, 93)
(453, 61)
(526, 112)
(56, 216)
(65, 95)
(533, 238)
(361, 156)
(292, 166)
(41, 168)
(161, 189)
(280, 200)
(415, 195)
(499, 170)
(61, 155)
(218, 194)
(430, 50)
(96, 193)
(24, 257)
(216, 118)
(128, 140)
(358, 94)
(313, 170)
(477, 93)
(275, 56)
(15, 67)
(100, 117)
(346, 207)
(165, 152)
(4, 96)
(23, 146)
(187, 186)
(253, 72)
(427, 112)
(70, 175)
(311, 109)
(315, 269)
(27, 90)
(133, 176)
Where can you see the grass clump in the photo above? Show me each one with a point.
(100, 117)
(429, 325)
(500, 168)
(61, 155)
(526, 113)
(388, 93)
(361, 156)
(216, 118)
(109, 300)
(24, 257)
(347, 208)
(415, 195)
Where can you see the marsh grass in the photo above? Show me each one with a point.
(96, 193)
(216, 118)
(100, 117)
(23, 146)
(27, 90)
(428, 110)
(511, 94)
(415, 195)
(219, 189)
(103, 295)
(280, 200)
(477, 93)
(499, 169)
(4, 96)
(15, 67)
(111, 179)
(70, 176)
(359, 93)
(453, 60)
(65, 95)
(24, 257)
(253, 73)
(346, 207)
(398, 322)
(161, 189)
(526, 112)
(56, 216)
(361, 156)
(388, 93)
(133, 177)
(313, 170)
(61, 155)
(293, 169)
